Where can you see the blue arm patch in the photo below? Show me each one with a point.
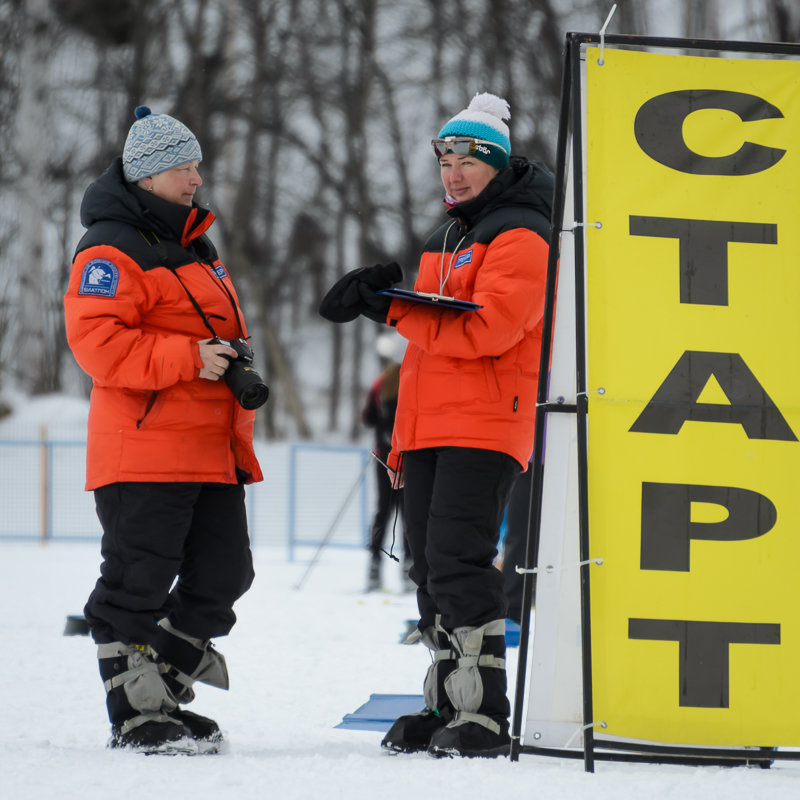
(100, 278)
(464, 258)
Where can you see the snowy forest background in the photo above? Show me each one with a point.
(314, 117)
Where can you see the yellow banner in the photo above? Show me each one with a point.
(693, 298)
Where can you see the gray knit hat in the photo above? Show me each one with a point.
(156, 143)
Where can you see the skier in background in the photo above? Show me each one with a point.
(378, 413)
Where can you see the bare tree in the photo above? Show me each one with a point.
(314, 120)
(34, 186)
(783, 20)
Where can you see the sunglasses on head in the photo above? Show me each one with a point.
(463, 146)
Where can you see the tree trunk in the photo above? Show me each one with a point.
(33, 197)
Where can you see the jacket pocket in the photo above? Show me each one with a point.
(492, 383)
(148, 407)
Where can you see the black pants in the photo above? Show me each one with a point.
(155, 533)
(454, 503)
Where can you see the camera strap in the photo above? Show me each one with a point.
(206, 320)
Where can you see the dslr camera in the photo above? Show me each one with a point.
(246, 385)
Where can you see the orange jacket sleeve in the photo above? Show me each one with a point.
(106, 336)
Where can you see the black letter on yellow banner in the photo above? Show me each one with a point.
(704, 657)
(667, 527)
(659, 131)
(675, 401)
(703, 251)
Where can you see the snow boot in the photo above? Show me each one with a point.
(183, 660)
(477, 691)
(139, 702)
(412, 733)
(204, 731)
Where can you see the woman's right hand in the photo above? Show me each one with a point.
(214, 359)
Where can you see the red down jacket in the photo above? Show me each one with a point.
(470, 379)
(133, 328)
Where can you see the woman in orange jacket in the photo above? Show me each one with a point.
(153, 317)
(465, 416)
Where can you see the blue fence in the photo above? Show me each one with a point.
(340, 474)
(310, 494)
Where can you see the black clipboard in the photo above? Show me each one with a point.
(431, 299)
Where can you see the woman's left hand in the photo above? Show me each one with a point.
(395, 478)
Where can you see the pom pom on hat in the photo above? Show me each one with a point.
(484, 119)
(156, 143)
(488, 103)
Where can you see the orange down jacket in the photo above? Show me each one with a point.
(133, 328)
(470, 379)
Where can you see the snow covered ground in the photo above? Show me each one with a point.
(299, 661)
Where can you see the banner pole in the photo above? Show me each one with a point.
(537, 460)
(582, 404)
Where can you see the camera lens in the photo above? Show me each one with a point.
(254, 396)
(246, 385)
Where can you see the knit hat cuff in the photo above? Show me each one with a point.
(476, 129)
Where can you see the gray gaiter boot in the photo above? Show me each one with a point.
(477, 691)
(412, 732)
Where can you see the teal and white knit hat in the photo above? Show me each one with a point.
(156, 143)
(483, 119)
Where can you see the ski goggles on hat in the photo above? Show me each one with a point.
(464, 146)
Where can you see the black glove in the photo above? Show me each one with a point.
(342, 303)
(344, 300)
(374, 306)
(382, 276)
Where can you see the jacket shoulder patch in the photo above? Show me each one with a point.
(464, 258)
(99, 278)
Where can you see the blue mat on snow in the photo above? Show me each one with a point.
(381, 710)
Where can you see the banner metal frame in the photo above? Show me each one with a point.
(569, 130)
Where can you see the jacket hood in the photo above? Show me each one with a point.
(521, 183)
(112, 198)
